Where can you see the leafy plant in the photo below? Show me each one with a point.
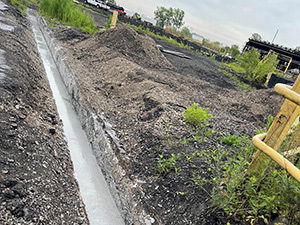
(198, 179)
(196, 116)
(168, 164)
(232, 140)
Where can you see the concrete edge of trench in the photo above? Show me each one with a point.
(100, 136)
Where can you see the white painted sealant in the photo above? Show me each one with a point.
(100, 206)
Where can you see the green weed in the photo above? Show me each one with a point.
(196, 116)
(21, 5)
(231, 140)
(165, 165)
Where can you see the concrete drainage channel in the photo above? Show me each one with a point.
(89, 149)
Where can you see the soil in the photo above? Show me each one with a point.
(143, 94)
(37, 185)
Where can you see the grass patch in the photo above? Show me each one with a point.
(241, 86)
(148, 32)
(66, 12)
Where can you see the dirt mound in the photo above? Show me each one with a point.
(71, 35)
(134, 46)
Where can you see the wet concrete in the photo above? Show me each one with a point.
(100, 206)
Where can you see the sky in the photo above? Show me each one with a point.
(232, 21)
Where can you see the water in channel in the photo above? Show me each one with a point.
(100, 207)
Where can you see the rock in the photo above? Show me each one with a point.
(22, 116)
(20, 190)
(12, 119)
(10, 160)
(10, 183)
(52, 131)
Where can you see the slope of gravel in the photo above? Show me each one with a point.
(37, 185)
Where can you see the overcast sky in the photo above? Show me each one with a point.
(233, 21)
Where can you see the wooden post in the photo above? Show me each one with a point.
(114, 19)
(279, 129)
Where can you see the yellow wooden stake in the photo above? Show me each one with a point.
(114, 19)
(279, 129)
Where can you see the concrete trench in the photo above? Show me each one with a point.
(100, 136)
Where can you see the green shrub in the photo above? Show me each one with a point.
(264, 67)
(66, 12)
(249, 61)
(256, 69)
(196, 116)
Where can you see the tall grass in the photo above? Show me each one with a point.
(66, 12)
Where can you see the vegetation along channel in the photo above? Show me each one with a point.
(145, 121)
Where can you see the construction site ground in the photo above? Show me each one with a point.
(143, 94)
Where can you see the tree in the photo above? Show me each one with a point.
(255, 68)
(177, 20)
(168, 17)
(256, 37)
(297, 48)
(160, 15)
(234, 51)
(186, 32)
(225, 50)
